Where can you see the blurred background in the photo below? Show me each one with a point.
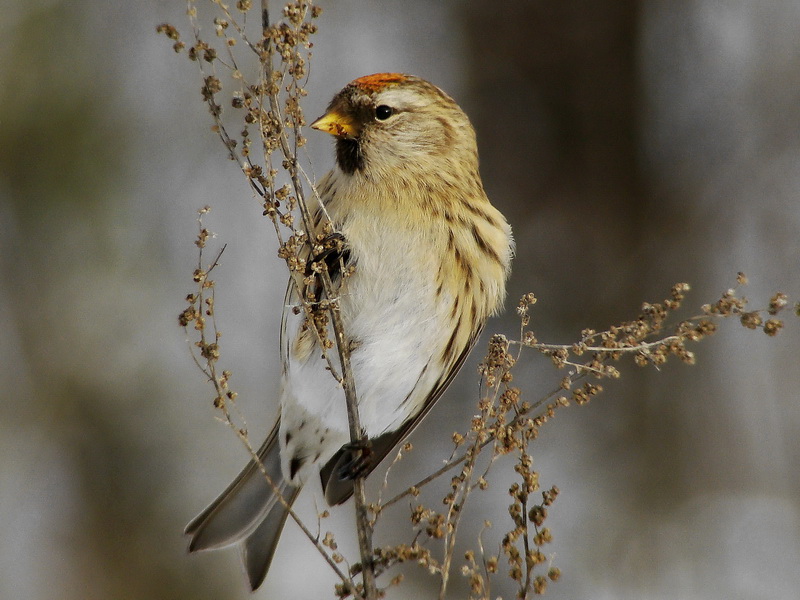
(632, 145)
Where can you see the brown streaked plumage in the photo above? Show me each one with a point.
(431, 257)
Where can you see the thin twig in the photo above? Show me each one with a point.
(639, 347)
(356, 436)
(411, 490)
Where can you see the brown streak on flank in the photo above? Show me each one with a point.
(439, 290)
(451, 245)
(454, 312)
(485, 247)
(473, 313)
(414, 387)
(464, 266)
(465, 270)
(456, 253)
(478, 212)
(448, 350)
(475, 177)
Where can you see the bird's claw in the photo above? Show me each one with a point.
(359, 461)
(330, 248)
(331, 243)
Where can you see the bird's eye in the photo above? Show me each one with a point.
(383, 112)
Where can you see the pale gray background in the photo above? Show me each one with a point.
(631, 144)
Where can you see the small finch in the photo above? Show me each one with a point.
(422, 263)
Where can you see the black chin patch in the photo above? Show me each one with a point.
(349, 156)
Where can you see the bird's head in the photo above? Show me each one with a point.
(387, 121)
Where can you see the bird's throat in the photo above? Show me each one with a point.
(349, 156)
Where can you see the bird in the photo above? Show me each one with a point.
(421, 262)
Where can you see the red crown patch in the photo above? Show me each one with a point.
(373, 83)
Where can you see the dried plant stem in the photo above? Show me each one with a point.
(462, 492)
(454, 462)
(289, 155)
(454, 513)
(356, 436)
(526, 586)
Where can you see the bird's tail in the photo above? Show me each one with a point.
(248, 512)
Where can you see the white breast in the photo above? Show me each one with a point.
(393, 320)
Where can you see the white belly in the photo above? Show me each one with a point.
(394, 329)
(393, 321)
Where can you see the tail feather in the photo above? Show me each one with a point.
(241, 510)
(259, 547)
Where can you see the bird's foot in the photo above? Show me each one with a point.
(359, 461)
(331, 243)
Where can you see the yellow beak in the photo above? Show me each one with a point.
(336, 124)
